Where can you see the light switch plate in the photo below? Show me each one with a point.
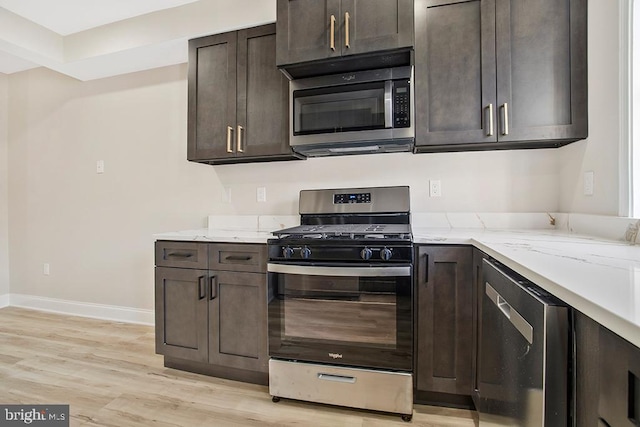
(588, 183)
(261, 194)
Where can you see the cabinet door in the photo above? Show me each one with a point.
(181, 313)
(238, 320)
(212, 97)
(619, 402)
(444, 319)
(263, 96)
(375, 25)
(455, 76)
(541, 68)
(586, 366)
(476, 298)
(304, 30)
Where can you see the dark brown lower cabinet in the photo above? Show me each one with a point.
(478, 256)
(607, 370)
(237, 321)
(444, 326)
(213, 321)
(181, 313)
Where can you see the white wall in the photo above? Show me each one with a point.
(96, 230)
(4, 188)
(599, 153)
(505, 181)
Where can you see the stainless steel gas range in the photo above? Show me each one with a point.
(340, 301)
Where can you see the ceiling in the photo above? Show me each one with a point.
(91, 39)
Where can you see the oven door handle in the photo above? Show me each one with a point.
(346, 271)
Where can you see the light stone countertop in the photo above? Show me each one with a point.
(223, 236)
(599, 277)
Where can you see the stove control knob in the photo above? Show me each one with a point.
(287, 252)
(366, 253)
(385, 254)
(305, 252)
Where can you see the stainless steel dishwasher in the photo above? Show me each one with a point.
(524, 353)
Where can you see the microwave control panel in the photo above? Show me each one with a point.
(401, 104)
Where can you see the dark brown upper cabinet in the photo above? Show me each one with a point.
(310, 30)
(492, 74)
(238, 99)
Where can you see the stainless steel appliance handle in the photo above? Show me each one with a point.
(337, 378)
(312, 270)
(388, 104)
(516, 319)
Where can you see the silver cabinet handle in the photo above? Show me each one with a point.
(505, 121)
(229, 148)
(490, 132)
(332, 44)
(516, 319)
(346, 29)
(239, 141)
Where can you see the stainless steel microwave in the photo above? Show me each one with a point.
(353, 113)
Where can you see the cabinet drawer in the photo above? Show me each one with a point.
(241, 257)
(181, 254)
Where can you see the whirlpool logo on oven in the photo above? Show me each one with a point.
(335, 355)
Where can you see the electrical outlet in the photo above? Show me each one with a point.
(261, 194)
(588, 183)
(45, 269)
(100, 166)
(435, 190)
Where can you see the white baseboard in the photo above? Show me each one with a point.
(77, 308)
(4, 300)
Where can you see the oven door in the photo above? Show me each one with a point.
(342, 314)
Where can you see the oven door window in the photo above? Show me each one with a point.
(362, 321)
(340, 109)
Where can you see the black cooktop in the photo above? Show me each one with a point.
(347, 231)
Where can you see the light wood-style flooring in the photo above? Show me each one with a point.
(109, 375)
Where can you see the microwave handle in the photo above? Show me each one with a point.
(388, 104)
